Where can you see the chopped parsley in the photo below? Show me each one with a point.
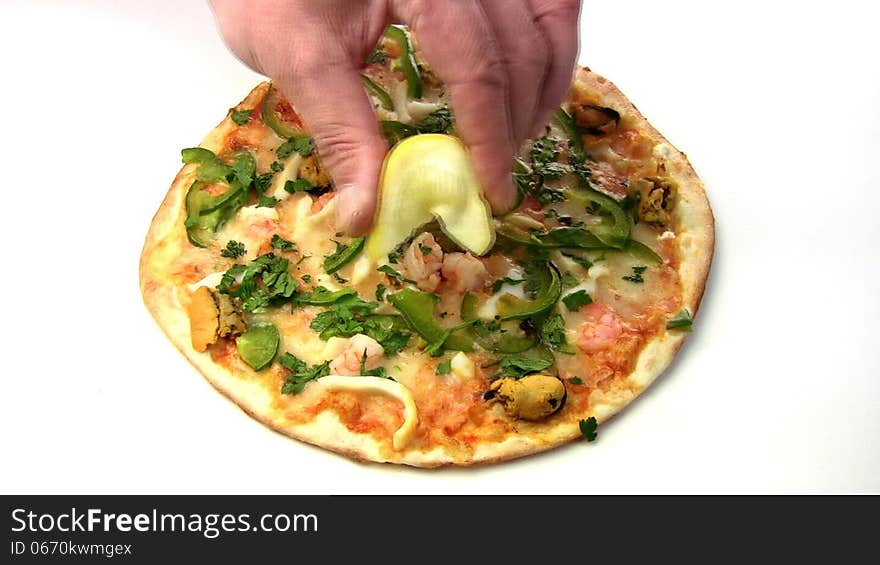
(323, 296)
(630, 204)
(306, 278)
(445, 367)
(518, 366)
(343, 254)
(425, 249)
(266, 281)
(588, 428)
(377, 56)
(583, 173)
(380, 292)
(349, 315)
(394, 275)
(298, 185)
(300, 373)
(552, 334)
(243, 169)
(545, 149)
(576, 300)
(263, 182)
(576, 380)
(682, 321)
(241, 117)
(552, 171)
(233, 250)
(267, 201)
(282, 244)
(345, 318)
(496, 286)
(213, 169)
(377, 372)
(391, 340)
(302, 145)
(582, 261)
(544, 166)
(569, 280)
(276, 167)
(535, 275)
(438, 121)
(636, 277)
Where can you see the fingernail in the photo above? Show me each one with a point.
(349, 217)
(505, 197)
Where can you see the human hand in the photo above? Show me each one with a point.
(507, 64)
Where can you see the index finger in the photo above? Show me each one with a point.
(473, 69)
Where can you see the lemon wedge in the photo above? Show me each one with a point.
(426, 177)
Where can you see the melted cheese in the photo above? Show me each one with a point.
(566, 263)
(210, 281)
(462, 366)
(383, 386)
(311, 231)
(588, 285)
(418, 110)
(362, 268)
(598, 270)
(398, 95)
(664, 151)
(489, 309)
(327, 281)
(289, 172)
(248, 227)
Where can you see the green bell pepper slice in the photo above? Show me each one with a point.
(406, 61)
(322, 297)
(379, 92)
(642, 252)
(572, 130)
(498, 342)
(198, 155)
(417, 309)
(469, 308)
(577, 238)
(506, 341)
(206, 213)
(211, 168)
(614, 234)
(200, 228)
(258, 346)
(389, 322)
(282, 127)
(549, 291)
(343, 255)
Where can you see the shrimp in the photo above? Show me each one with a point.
(359, 346)
(463, 272)
(601, 329)
(422, 261)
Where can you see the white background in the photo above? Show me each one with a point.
(776, 103)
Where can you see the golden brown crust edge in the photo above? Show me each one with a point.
(166, 236)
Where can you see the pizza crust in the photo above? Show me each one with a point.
(694, 225)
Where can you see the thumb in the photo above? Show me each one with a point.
(337, 112)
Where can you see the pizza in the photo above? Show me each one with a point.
(426, 349)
